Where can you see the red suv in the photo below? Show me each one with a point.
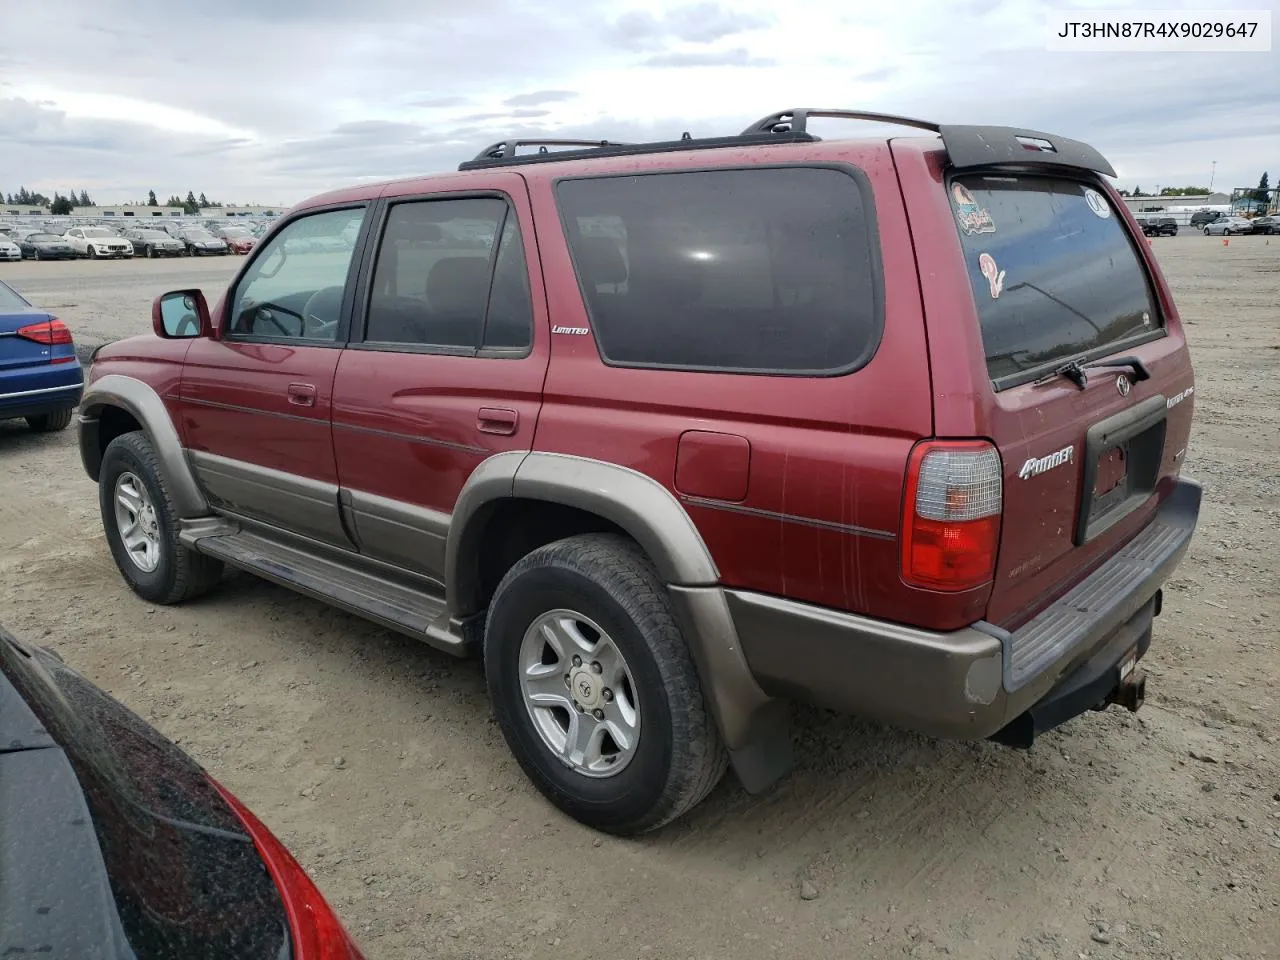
(673, 433)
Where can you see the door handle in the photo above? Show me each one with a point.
(497, 420)
(302, 394)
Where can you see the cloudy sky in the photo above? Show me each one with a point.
(272, 100)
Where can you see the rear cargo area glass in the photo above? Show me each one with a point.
(1054, 271)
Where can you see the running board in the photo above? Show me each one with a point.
(394, 605)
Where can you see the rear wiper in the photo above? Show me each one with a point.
(1078, 373)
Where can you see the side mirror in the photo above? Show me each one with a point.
(181, 315)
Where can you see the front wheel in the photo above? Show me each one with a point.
(141, 525)
(93, 254)
(1207, 233)
(594, 687)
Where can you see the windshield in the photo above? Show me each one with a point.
(1054, 272)
(199, 235)
(9, 299)
(96, 232)
(45, 238)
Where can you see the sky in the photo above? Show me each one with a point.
(271, 101)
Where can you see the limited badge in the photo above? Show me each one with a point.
(972, 218)
(994, 275)
(1097, 203)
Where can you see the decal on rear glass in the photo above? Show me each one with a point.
(972, 218)
(994, 275)
(1097, 203)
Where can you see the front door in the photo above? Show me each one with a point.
(445, 364)
(257, 399)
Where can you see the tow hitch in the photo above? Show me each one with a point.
(1130, 692)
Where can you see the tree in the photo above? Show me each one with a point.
(173, 201)
(85, 200)
(1137, 192)
(1262, 194)
(61, 205)
(204, 202)
(151, 199)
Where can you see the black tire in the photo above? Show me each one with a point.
(151, 252)
(50, 422)
(1207, 233)
(36, 255)
(679, 755)
(92, 254)
(181, 573)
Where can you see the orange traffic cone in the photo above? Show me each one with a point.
(1226, 241)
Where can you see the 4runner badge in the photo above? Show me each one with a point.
(1038, 465)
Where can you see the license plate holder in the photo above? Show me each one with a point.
(1138, 434)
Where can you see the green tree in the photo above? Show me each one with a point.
(61, 205)
(173, 201)
(1137, 192)
(85, 200)
(151, 199)
(204, 202)
(1262, 194)
(191, 205)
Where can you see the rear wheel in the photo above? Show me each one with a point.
(50, 422)
(595, 689)
(141, 525)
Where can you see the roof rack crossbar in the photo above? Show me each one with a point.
(796, 120)
(505, 149)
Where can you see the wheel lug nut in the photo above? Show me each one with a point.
(577, 661)
(596, 668)
(580, 708)
(567, 682)
(598, 714)
(608, 695)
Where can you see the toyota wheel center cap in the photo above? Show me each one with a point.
(586, 688)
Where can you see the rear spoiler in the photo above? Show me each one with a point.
(967, 146)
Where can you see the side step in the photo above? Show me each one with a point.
(414, 612)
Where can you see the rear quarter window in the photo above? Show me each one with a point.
(1054, 270)
(767, 270)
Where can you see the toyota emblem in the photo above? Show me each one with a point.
(1122, 385)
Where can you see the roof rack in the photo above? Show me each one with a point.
(967, 146)
(499, 155)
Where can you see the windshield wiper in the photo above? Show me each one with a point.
(1078, 373)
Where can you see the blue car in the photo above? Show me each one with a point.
(40, 377)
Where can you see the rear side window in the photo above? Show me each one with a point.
(1054, 271)
(769, 270)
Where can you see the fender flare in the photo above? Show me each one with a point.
(142, 402)
(637, 503)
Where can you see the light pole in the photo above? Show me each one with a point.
(1213, 172)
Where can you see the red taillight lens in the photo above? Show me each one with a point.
(316, 931)
(951, 514)
(48, 332)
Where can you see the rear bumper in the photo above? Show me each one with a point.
(13, 407)
(975, 682)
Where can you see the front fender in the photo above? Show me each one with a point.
(140, 401)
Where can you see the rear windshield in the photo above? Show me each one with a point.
(1055, 273)
(9, 300)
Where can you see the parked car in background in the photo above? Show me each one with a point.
(1159, 226)
(200, 242)
(98, 243)
(154, 243)
(117, 844)
(237, 238)
(41, 380)
(1266, 225)
(1201, 217)
(672, 433)
(9, 249)
(47, 246)
(1227, 226)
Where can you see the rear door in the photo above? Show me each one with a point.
(1048, 269)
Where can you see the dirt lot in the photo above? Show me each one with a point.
(1154, 835)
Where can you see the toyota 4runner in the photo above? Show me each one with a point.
(674, 433)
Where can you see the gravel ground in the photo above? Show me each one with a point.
(1155, 835)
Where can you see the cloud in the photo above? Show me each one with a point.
(737, 57)
(538, 98)
(641, 30)
(175, 96)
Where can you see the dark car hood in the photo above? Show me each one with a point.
(114, 843)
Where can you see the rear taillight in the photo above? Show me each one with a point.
(951, 514)
(315, 929)
(49, 332)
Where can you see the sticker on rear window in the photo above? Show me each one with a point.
(1097, 203)
(994, 275)
(972, 218)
